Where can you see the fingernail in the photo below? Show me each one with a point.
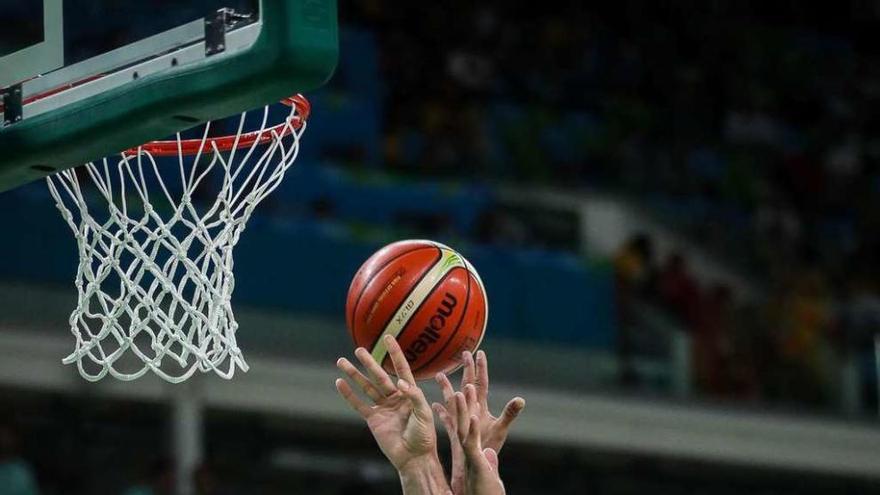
(466, 355)
(439, 377)
(388, 338)
(481, 355)
(402, 385)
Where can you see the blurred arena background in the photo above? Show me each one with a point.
(675, 210)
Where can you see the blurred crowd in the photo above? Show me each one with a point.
(756, 135)
(750, 128)
(788, 346)
(738, 349)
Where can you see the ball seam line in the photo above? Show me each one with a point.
(467, 301)
(367, 282)
(439, 271)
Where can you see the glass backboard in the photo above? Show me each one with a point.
(80, 79)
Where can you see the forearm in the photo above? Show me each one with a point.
(424, 477)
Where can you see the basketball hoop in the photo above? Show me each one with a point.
(155, 275)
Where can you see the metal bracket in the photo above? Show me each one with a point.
(216, 26)
(12, 104)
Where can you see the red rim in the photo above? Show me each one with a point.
(189, 147)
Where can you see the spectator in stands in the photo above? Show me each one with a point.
(678, 290)
(634, 264)
(804, 324)
(16, 476)
(634, 277)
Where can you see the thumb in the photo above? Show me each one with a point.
(492, 458)
(415, 396)
(511, 412)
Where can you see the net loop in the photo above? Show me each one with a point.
(156, 239)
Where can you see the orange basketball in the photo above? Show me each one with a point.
(424, 294)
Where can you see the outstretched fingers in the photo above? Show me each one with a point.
(366, 386)
(469, 374)
(445, 387)
(511, 411)
(482, 379)
(473, 404)
(445, 419)
(448, 420)
(473, 447)
(380, 376)
(462, 416)
(353, 400)
(448, 394)
(401, 365)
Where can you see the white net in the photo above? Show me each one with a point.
(155, 276)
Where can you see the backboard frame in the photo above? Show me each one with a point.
(292, 47)
(42, 57)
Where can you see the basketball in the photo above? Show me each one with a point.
(426, 295)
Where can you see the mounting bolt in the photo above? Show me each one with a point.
(216, 26)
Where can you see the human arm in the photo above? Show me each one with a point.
(479, 463)
(398, 416)
(493, 430)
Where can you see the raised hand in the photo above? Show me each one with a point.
(399, 418)
(448, 418)
(493, 430)
(481, 476)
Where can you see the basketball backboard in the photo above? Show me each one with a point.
(80, 79)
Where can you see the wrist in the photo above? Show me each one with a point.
(423, 474)
(426, 463)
